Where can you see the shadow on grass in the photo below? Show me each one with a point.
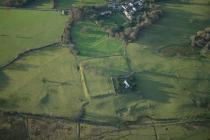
(66, 3)
(21, 66)
(42, 52)
(100, 119)
(174, 28)
(65, 83)
(34, 4)
(103, 96)
(4, 80)
(154, 90)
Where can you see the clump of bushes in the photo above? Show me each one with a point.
(44, 100)
(127, 32)
(201, 39)
(92, 12)
(202, 102)
(151, 16)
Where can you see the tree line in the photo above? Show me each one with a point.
(14, 3)
(18, 3)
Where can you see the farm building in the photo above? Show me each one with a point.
(129, 9)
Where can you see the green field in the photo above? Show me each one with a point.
(77, 3)
(98, 73)
(43, 82)
(164, 83)
(168, 84)
(179, 22)
(92, 41)
(21, 30)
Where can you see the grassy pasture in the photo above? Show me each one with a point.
(44, 82)
(25, 29)
(164, 83)
(170, 83)
(98, 74)
(199, 1)
(48, 81)
(179, 22)
(77, 3)
(92, 41)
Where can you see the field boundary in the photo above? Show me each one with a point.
(101, 57)
(20, 55)
(157, 122)
(83, 82)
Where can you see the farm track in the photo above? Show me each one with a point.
(19, 56)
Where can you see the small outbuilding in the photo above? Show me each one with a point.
(124, 83)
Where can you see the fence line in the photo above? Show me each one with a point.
(20, 55)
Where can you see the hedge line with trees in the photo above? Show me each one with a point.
(127, 32)
(130, 33)
(66, 39)
(14, 3)
(20, 3)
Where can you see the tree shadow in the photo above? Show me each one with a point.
(66, 3)
(4, 80)
(36, 3)
(41, 52)
(98, 119)
(153, 90)
(146, 89)
(175, 27)
(65, 83)
(21, 66)
(103, 96)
